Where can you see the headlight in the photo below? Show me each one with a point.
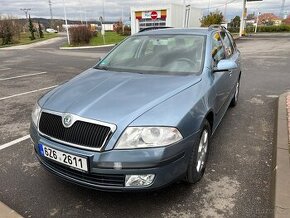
(35, 114)
(147, 137)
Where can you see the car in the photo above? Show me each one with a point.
(143, 116)
(50, 30)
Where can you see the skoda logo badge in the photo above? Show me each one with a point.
(67, 120)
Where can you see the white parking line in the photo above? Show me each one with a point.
(5, 68)
(25, 93)
(21, 76)
(14, 142)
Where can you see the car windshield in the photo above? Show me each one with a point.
(157, 54)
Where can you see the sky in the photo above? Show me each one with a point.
(93, 9)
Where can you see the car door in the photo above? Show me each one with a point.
(233, 54)
(221, 79)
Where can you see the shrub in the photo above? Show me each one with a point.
(215, 17)
(80, 35)
(9, 29)
(6, 34)
(234, 29)
(40, 30)
(118, 29)
(31, 28)
(251, 29)
(281, 28)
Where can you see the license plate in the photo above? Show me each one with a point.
(67, 159)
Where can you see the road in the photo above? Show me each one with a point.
(237, 182)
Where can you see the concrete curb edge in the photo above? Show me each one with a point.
(281, 163)
(7, 212)
(86, 47)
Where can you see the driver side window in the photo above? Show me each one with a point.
(217, 51)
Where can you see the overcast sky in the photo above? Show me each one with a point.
(92, 9)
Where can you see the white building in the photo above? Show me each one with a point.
(170, 15)
(108, 26)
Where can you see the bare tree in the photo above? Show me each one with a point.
(9, 29)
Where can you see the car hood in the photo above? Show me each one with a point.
(115, 97)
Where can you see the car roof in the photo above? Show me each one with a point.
(177, 31)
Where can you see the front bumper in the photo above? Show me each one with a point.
(167, 163)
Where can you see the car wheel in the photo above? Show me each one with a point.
(198, 158)
(235, 99)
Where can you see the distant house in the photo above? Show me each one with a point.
(269, 19)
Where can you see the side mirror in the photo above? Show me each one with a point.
(225, 65)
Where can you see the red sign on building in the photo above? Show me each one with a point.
(154, 15)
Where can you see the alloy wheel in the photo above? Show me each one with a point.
(202, 151)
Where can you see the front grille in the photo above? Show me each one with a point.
(80, 133)
(116, 180)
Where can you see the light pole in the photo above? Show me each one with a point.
(257, 21)
(122, 20)
(242, 24)
(208, 6)
(225, 13)
(66, 26)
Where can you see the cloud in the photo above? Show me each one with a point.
(93, 9)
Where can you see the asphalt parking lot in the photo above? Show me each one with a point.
(237, 182)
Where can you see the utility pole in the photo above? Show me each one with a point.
(282, 9)
(184, 11)
(225, 13)
(66, 26)
(244, 14)
(50, 11)
(25, 10)
(122, 20)
(103, 10)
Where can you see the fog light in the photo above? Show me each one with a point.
(139, 180)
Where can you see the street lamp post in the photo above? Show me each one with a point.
(257, 22)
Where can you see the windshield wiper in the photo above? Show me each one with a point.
(102, 67)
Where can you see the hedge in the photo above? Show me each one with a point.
(281, 28)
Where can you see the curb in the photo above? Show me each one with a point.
(281, 160)
(86, 47)
(7, 212)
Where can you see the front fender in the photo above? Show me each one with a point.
(186, 111)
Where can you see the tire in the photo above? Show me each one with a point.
(196, 165)
(235, 99)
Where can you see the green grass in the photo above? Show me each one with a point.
(110, 38)
(24, 39)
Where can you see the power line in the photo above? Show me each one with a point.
(221, 5)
